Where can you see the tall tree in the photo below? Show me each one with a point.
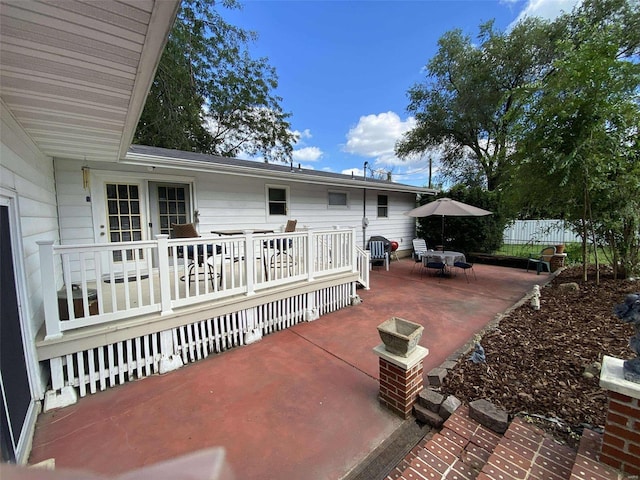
(578, 147)
(209, 95)
(466, 103)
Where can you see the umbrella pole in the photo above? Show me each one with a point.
(443, 249)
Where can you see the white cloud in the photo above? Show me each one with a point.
(547, 9)
(375, 137)
(307, 154)
(306, 133)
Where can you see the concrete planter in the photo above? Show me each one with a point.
(400, 337)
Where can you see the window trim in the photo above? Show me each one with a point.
(344, 206)
(385, 206)
(267, 202)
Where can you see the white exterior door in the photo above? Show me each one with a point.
(168, 203)
(121, 211)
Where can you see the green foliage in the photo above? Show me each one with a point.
(466, 104)
(577, 148)
(466, 234)
(209, 95)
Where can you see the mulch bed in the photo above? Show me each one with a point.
(536, 359)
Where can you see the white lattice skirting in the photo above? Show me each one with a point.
(116, 363)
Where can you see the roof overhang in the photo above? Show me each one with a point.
(75, 75)
(259, 170)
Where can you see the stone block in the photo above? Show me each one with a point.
(448, 364)
(424, 415)
(436, 376)
(449, 406)
(430, 399)
(489, 415)
(569, 287)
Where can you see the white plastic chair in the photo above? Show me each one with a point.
(419, 249)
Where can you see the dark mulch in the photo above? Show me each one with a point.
(536, 360)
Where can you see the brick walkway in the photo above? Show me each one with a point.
(465, 450)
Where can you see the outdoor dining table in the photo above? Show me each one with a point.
(238, 232)
(447, 257)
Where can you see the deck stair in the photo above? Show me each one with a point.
(464, 449)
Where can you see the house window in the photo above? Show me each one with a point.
(277, 200)
(383, 206)
(337, 199)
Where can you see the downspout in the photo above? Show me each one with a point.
(364, 209)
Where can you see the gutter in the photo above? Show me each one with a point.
(298, 176)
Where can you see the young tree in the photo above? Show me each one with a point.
(466, 104)
(210, 96)
(579, 138)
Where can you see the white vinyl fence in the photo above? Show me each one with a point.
(524, 236)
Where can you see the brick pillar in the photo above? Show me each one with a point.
(401, 379)
(621, 441)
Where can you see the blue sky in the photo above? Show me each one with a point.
(344, 69)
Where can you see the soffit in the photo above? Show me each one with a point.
(75, 74)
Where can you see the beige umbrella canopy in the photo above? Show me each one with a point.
(447, 207)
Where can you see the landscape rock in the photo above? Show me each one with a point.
(436, 376)
(489, 415)
(430, 399)
(425, 415)
(448, 364)
(449, 406)
(569, 286)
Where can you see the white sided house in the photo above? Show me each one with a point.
(95, 290)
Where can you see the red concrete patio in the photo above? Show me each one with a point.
(301, 403)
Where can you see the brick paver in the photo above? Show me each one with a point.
(465, 450)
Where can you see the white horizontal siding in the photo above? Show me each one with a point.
(230, 202)
(27, 172)
(76, 222)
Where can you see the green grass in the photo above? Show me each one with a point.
(573, 251)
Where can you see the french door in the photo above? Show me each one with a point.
(122, 214)
(169, 203)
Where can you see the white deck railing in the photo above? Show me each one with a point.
(108, 282)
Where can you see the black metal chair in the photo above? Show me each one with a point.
(281, 249)
(196, 257)
(464, 266)
(436, 264)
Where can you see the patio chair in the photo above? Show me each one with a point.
(196, 260)
(436, 264)
(282, 248)
(419, 249)
(378, 254)
(542, 260)
(464, 266)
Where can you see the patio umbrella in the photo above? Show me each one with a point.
(447, 207)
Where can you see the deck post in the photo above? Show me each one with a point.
(354, 252)
(169, 361)
(249, 261)
(311, 255)
(163, 274)
(49, 295)
(60, 395)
